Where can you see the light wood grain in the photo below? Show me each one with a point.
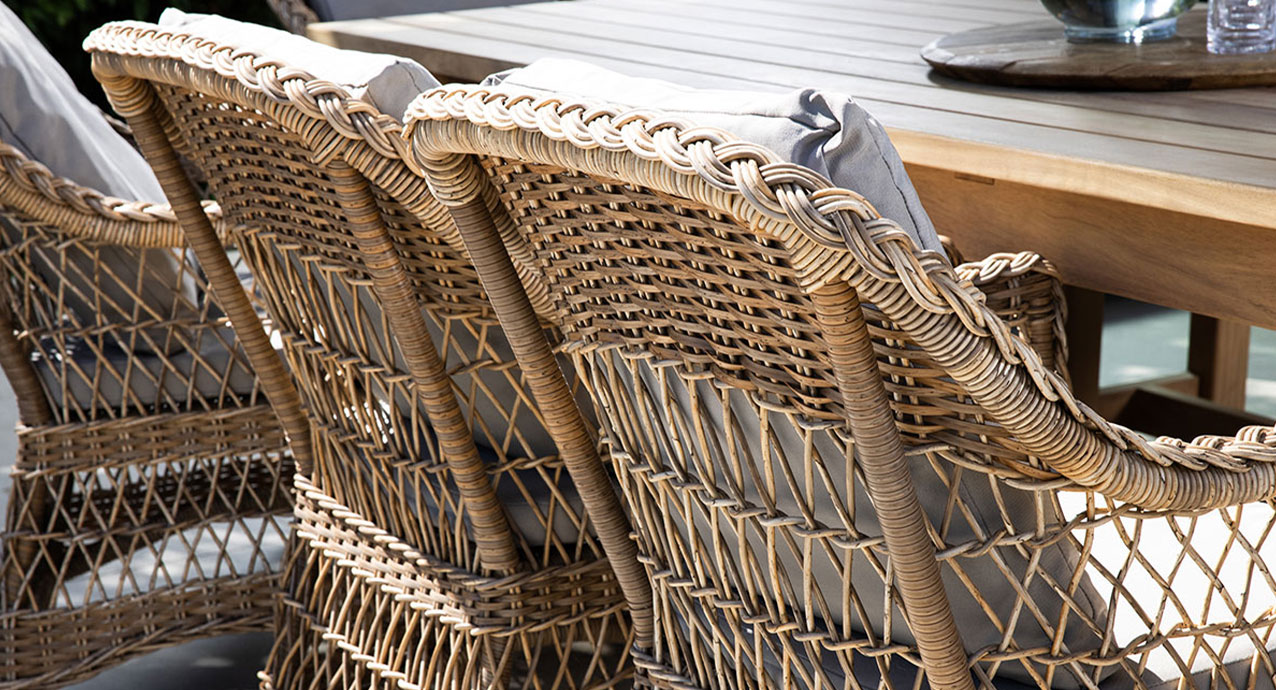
(996, 118)
(639, 24)
(1143, 252)
(1083, 177)
(1218, 354)
(1166, 184)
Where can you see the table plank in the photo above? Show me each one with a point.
(870, 80)
(849, 20)
(922, 15)
(638, 24)
(1112, 168)
(798, 68)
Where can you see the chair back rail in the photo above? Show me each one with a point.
(692, 277)
(456, 178)
(399, 359)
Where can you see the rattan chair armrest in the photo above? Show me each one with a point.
(1024, 289)
(34, 190)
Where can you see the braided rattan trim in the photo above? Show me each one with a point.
(126, 442)
(315, 98)
(46, 648)
(839, 237)
(79, 211)
(525, 602)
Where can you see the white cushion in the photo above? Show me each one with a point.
(329, 10)
(822, 130)
(388, 82)
(45, 117)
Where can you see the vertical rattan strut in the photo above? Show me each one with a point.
(441, 540)
(135, 100)
(562, 416)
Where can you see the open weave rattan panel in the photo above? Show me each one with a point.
(407, 605)
(751, 512)
(151, 506)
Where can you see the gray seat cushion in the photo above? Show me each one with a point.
(388, 82)
(674, 402)
(102, 374)
(526, 507)
(1160, 552)
(48, 120)
(822, 130)
(44, 116)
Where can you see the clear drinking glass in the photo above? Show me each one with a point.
(1118, 21)
(1242, 26)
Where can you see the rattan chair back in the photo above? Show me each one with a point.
(151, 491)
(782, 372)
(414, 574)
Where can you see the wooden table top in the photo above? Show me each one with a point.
(998, 168)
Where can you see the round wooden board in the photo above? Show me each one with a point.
(1037, 54)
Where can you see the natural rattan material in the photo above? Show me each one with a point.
(406, 565)
(692, 274)
(152, 487)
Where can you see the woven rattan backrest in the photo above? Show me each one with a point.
(148, 497)
(117, 314)
(272, 165)
(694, 277)
(395, 350)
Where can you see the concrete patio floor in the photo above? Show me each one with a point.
(1139, 342)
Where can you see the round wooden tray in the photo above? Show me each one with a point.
(1037, 54)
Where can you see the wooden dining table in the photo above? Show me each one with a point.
(1165, 197)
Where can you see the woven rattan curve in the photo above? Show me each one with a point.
(355, 120)
(34, 190)
(846, 237)
(367, 134)
(216, 461)
(83, 213)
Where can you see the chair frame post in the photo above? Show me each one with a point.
(562, 417)
(137, 102)
(33, 410)
(398, 299)
(880, 453)
(489, 526)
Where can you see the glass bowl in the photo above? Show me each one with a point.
(1118, 21)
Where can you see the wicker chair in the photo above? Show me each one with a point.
(152, 486)
(772, 431)
(428, 560)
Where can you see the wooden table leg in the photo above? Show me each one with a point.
(1085, 338)
(1218, 353)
